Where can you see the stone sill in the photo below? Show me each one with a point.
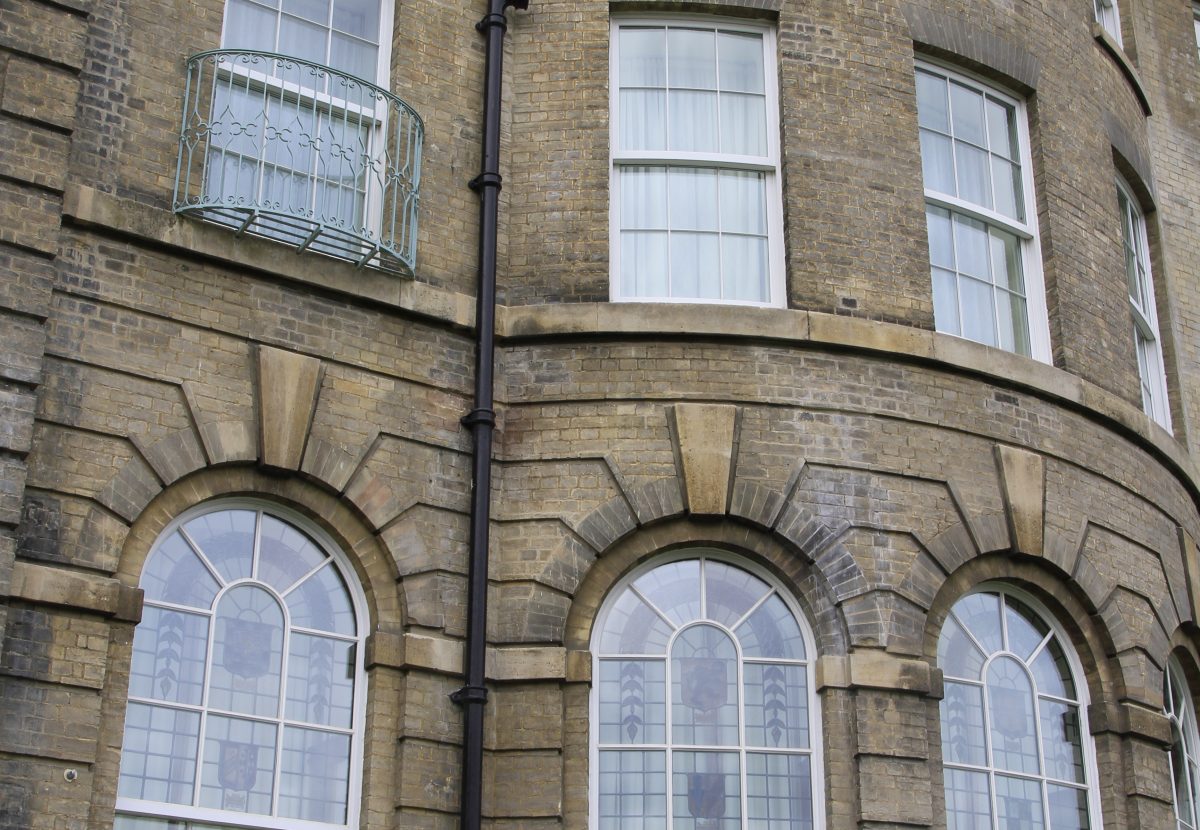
(89, 207)
(819, 330)
(1114, 50)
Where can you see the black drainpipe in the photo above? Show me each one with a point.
(482, 420)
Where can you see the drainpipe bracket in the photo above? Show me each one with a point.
(474, 695)
(477, 417)
(486, 179)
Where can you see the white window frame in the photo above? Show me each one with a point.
(1182, 715)
(1026, 231)
(139, 808)
(816, 740)
(1082, 701)
(1147, 340)
(1108, 15)
(767, 164)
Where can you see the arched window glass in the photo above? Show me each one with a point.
(703, 716)
(1185, 772)
(1014, 720)
(246, 684)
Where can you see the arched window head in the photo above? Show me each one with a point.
(246, 685)
(1185, 772)
(1015, 740)
(703, 716)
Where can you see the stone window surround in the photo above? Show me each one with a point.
(769, 164)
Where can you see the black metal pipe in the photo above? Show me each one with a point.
(481, 421)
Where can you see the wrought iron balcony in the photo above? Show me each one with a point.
(302, 154)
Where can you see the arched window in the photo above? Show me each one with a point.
(1185, 772)
(246, 685)
(1014, 719)
(703, 715)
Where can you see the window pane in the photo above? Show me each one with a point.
(962, 725)
(169, 651)
(249, 26)
(357, 17)
(175, 574)
(730, 592)
(704, 692)
(285, 554)
(158, 754)
(314, 775)
(941, 237)
(743, 202)
(301, 39)
(1019, 803)
(978, 313)
(691, 59)
(226, 537)
(643, 57)
(353, 56)
(1062, 741)
(945, 302)
(971, 247)
(1024, 628)
(980, 613)
(1068, 808)
(744, 267)
(1006, 260)
(322, 602)
(320, 683)
(696, 265)
(743, 124)
(632, 627)
(644, 197)
(692, 121)
(966, 108)
(633, 702)
(1006, 178)
(643, 119)
(633, 790)
(776, 705)
(315, 10)
(1002, 129)
(741, 61)
(958, 656)
(1052, 672)
(693, 198)
(772, 631)
(1183, 801)
(933, 108)
(968, 802)
(644, 264)
(937, 162)
(674, 589)
(239, 765)
(974, 174)
(779, 791)
(707, 791)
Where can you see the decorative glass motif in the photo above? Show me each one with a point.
(1013, 728)
(703, 704)
(246, 669)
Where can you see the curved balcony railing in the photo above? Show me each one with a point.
(302, 154)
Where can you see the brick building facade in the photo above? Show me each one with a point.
(934, 355)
